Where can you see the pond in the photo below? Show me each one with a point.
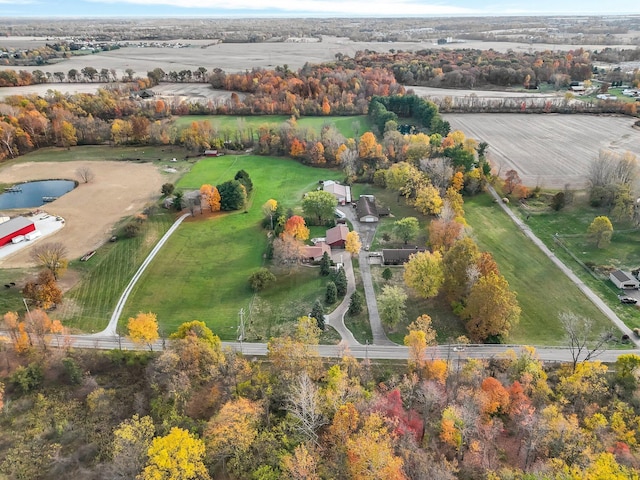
(34, 194)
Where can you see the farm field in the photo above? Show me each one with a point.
(345, 125)
(542, 290)
(202, 271)
(548, 150)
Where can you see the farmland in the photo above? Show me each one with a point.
(548, 150)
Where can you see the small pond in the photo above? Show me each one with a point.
(34, 194)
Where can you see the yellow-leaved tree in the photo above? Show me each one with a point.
(143, 329)
(352, 243)
(176, 456)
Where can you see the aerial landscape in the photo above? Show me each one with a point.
(300, 242)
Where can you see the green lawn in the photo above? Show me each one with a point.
(89, 305)
(201, 272)
(345, 125)
(359, 324)
(543, 291)
(101, 152)
(11, 298)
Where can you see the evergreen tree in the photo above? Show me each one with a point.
(387, 274)
(356, 304)
(340, 279)
(325, 264)
(244, 179)
(317, 312)
(332, 293)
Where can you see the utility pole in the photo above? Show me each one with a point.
(241, 328)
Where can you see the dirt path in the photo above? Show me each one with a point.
(90, 211)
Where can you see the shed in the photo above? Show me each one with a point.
(337, 236)
(398, 256)
(14, 228)
(341, 192)
(366, 209)
(623, 280)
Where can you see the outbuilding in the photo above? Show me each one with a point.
(398, 256)
(341, 192)
(336, 237)
(14, 228)
(366, 209)
(624, 280)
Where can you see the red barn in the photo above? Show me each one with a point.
(13, 228)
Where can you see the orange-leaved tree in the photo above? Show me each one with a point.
(211, 197)
(297, 228)
(143, 329)
(352, 243)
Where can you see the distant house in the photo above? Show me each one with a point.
(366, 209)
(337, 236)
(313, 253)
(577, 89)
(341, 192)
(146, 94)
(623, 280)
(398, 256)
(212, 153)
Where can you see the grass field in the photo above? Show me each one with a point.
(343, 124)
(100, 152)
(543, 291)
(89, 305)
(201, 273)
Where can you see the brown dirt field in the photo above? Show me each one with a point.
(90, 211)
(548, 150)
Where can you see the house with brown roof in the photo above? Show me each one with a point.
(366, 209)
(313, 253)
(336, 237)
(341, 192)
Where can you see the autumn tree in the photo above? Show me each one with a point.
(444, 233)
(455, 264)
(301, 464)
(305, 407)
(511, 181)
(176, 456)
(319, 205)
(287, 251)
(371, 454)
(428, 201)
(423, 273)
(492, 309)
(199, 330)
(211, 197)
(406, 228)
(269, 209)
(392, 305)
(352, 243)
(296, 227)
(68, 135)
(143, 329)
(44, 291)
(52, 256)
(583, 340)
(600, 231)
(17, 332)
(130, 446)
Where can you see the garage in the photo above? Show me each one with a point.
(14, 228)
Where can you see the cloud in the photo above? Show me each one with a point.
(315, 7)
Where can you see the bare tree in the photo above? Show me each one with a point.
(52, 256)
(304, 405)
(85, 174)
(579, 333)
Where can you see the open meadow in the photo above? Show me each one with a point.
(201, 273)
(548, 150)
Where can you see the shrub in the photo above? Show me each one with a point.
(131, 230)
(167, 189)
(261, 279)
(28, 378)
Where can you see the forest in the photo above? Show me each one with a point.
(196, 410)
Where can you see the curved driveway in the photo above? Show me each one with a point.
(111, 329)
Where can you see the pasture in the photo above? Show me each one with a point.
(542, 290)
(201, 273)
(345, 125)
(548, 150)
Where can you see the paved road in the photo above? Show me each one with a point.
(380, 352)
(336, 318)
(603, 307)
(110, 330)
(366, 233)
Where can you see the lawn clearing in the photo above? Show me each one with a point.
(542, 289)
(349, 126)
(201, 273)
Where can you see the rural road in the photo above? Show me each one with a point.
(597, 301)
(111, 328)
(373, 352)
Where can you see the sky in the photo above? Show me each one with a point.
(309, 8)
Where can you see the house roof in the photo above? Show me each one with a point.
(317, 250)
(7, 228)
(399, 254)
(623, 276)
(366, 206)
(336, 234)
(337, 189)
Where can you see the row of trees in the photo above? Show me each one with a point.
(196, 410)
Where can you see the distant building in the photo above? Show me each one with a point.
(341, 192)
(366, 209)
(398, 256)
(15, 227)
(624, 280)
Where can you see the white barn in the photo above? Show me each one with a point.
(624, 280)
